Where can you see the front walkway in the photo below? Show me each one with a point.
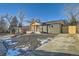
(64, 43)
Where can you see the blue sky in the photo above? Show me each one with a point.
(44, 12)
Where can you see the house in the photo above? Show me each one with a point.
(59, 26)
(52, 27)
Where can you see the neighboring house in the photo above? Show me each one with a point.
(34, 27)
(24, 29)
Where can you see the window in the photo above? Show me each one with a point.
(51, 26)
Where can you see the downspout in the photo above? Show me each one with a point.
(47, 28)
(42, 28)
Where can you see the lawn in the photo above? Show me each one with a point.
(65, 43)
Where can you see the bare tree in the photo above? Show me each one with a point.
(13, 25)
(8, 17)
(38, 20)
(72, 13)
(3, 27)
(34, 20)
(21, 17)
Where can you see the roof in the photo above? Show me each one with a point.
(36, 23)
(55, 22)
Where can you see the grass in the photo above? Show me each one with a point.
(72, 46)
